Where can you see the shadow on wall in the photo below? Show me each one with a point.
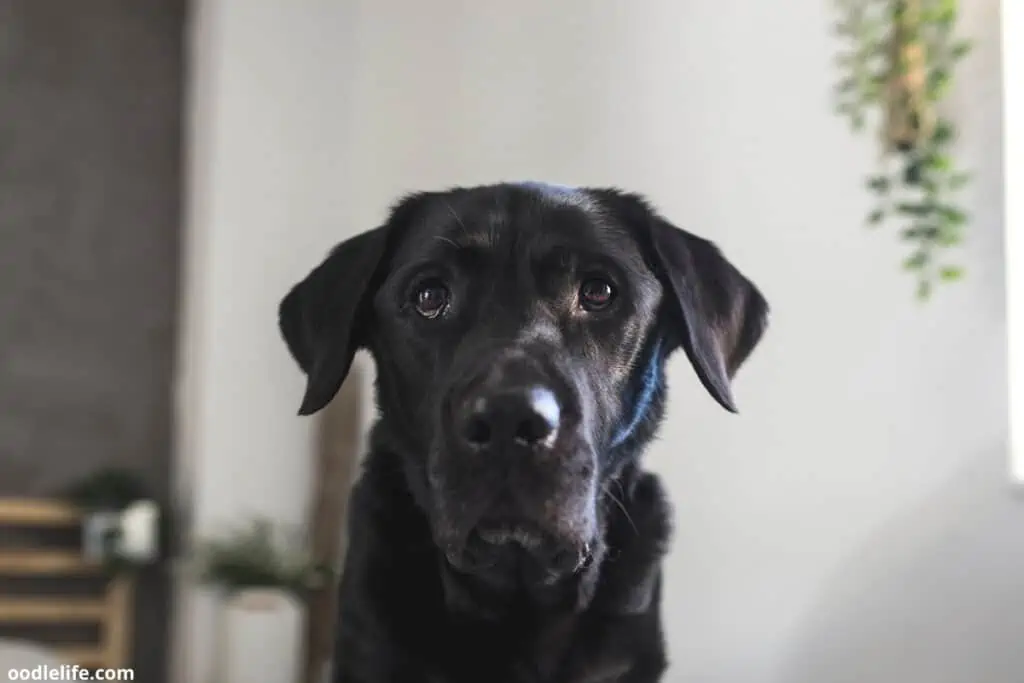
(936, 579)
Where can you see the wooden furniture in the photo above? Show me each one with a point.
(337, 456)
(112, 611)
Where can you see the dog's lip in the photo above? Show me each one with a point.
(536, 541)
(525, 533)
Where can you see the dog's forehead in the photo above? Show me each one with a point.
(515, 215)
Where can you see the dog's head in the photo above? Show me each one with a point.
(520, 333)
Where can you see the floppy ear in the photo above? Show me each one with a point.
(320, 318)
(714, 313)
(717, 314)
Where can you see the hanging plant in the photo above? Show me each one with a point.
(897, 69)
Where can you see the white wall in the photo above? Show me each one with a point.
(1013, 111)
(266, 200)
(855, 523)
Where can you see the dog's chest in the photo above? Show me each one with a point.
(565, 654)
(558, 651)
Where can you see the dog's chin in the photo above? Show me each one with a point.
(519, 551)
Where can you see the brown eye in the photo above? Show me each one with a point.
(596, 294)
(430, 299)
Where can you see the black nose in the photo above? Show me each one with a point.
(524, 417)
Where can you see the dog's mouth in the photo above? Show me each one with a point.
(506, 543)
(529, 536)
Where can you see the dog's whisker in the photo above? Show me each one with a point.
(621, 506)
(450, 241)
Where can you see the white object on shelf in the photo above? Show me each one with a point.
(139, 532)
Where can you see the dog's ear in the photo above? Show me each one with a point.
(713, 311)
(320, 318)
(717, 314)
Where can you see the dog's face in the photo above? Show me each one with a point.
(520, 334)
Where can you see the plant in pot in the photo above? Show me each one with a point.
(896, 72)
(121, 523)
(263, 575)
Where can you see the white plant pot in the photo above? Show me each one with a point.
(262, 637)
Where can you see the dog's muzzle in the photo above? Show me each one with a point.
(513, 478)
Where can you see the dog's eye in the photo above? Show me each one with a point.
(596, 294)
(431, 298)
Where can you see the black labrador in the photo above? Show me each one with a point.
(503, 530)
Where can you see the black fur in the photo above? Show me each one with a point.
(493, 559)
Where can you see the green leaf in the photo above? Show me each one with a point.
(920, 232)
(951, 273)
(961, 49)
(869, 94)
(939, 81)
(958, 180)
(946, 12)
(911, 209)
(924, 290)
(879, 183)
(953, 215)
(916, 261)
(881, 78)
(949, 236)
(944, 132)
(912, 173)
(876, 216)
(939, 162)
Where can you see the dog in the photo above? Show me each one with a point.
(502, 529)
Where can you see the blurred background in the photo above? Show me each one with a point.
(168, 169)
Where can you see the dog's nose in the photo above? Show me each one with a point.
(526, 417)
